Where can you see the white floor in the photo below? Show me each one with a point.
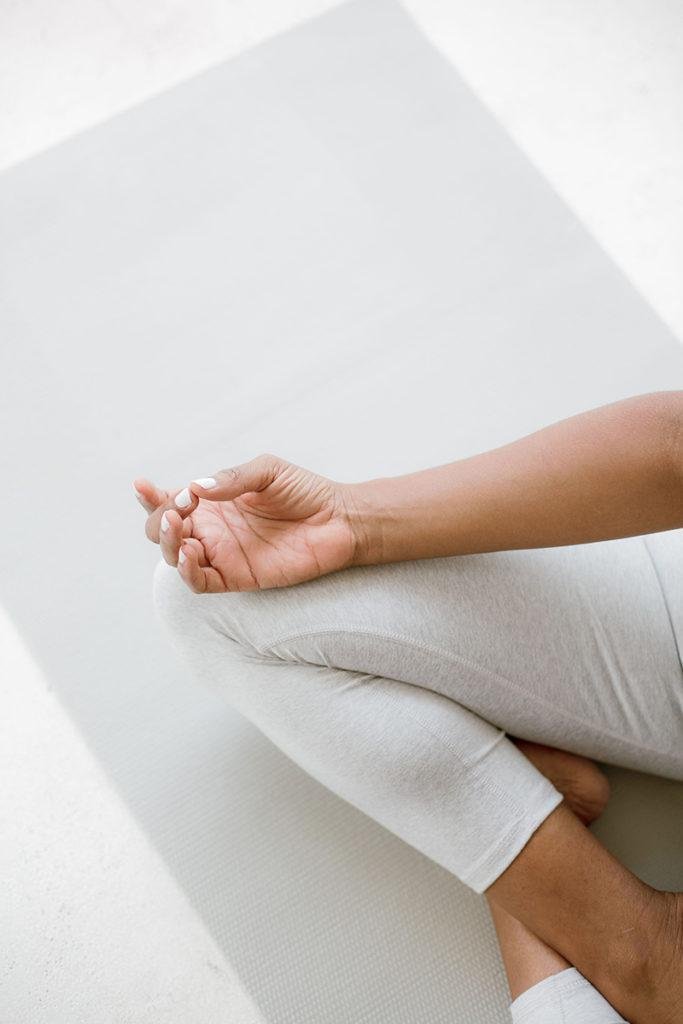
(88, 898)
(591, 92)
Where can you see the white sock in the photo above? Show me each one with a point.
(563, 998)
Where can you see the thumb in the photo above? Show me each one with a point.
(226, 484)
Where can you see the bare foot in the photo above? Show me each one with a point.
(585, 788)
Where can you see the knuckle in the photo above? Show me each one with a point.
(269, 463)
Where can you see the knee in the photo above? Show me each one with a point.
(245, 620)
(198, 630)
(174, 603)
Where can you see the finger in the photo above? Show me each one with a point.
(200, 579)
(197, 544)
(255, 475)
(170, 535)
(182, 502)
(149, 496)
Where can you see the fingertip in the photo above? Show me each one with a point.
(188, 568)
(209, 488)
(185, 499)
(187, 559)
(146, 494)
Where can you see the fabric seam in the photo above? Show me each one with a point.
(489, 857)
(398, 638)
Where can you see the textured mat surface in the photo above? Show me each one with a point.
(326, 248)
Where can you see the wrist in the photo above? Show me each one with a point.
(400, 518)
(366, 518)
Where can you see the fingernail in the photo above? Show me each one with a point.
(184, 499)
(164, 522)
(137, 493)
(207, 482)
(181, 556)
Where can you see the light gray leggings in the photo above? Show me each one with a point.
(395, 685)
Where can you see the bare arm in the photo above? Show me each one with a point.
(615, 471)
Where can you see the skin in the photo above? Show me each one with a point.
(611, 472)
(526, 958)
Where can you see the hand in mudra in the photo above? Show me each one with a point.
(266, 523)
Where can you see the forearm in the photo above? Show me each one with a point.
(611, 472)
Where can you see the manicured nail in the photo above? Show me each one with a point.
(181, 556)
(164, 522)
(184, 499)
(207, 482)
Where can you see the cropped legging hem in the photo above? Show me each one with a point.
(540, 801)
(574, 647)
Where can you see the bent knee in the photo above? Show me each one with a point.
(244, 618)
(198, 629)
(174, 602)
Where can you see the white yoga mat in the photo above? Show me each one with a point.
(329, 249)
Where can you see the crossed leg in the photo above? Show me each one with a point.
(396, 687)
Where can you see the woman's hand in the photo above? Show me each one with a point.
(263, 524)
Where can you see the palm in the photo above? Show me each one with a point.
(275, 539)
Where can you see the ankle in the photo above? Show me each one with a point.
(650, 956)
(668, 956)
(584, 786)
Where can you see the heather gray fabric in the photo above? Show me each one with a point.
(563, 998)
(395, 685)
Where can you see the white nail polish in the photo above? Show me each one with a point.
(164, 522)
(184, 499)
(181, 556)
(207, 482)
